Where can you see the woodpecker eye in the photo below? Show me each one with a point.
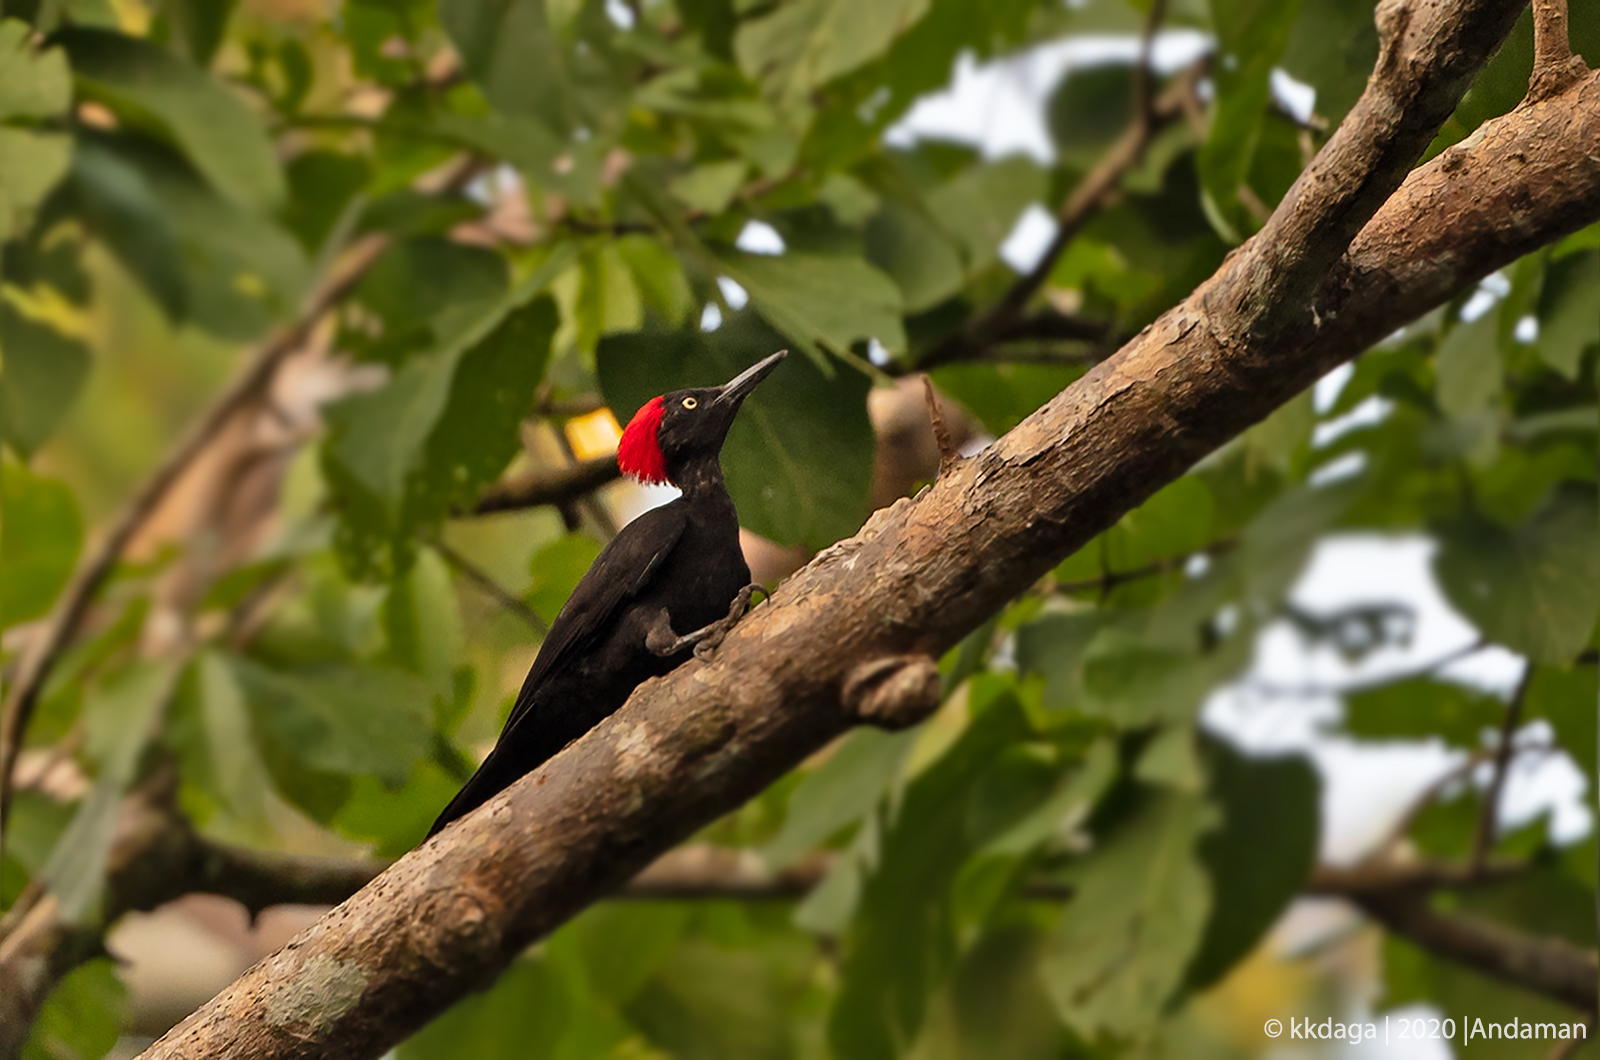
(690, 403)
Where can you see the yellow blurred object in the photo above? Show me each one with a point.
(594, 434)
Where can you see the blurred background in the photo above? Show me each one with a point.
(317, 323)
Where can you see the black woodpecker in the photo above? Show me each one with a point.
(676, 567)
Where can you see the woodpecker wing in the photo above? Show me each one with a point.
(621, 572)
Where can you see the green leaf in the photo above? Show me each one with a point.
(804, 44)
(902, 942)
(1468, 368)
(82, 1017)
(1534, 588)
(422, 622)
(446, 422)
(195, 27)
(30, 165)
(116, 201)
(237, 271)
(345, 720)
(798, 459)
(1566, 697)
(712, 186)
(151, 89)
(40, 535)
(920, 258)
(1333, 48)
(979, 206)
(1259, 858)
(838, 793)
(1568, 322)
(119, 713)
(1137, 916)
(823, 303)
(41, 373)
(523, 1015)
(510, 50)
(33, 84)
(1421, 708)
(1089, 111)
(557, 568)
(1251, 37)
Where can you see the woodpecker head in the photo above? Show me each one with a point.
(671, 431)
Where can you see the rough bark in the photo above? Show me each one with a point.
(1280, 312)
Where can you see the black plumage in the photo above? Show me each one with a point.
(676, 568)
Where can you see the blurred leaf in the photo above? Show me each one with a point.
(1251, 37)
(838, 793)
(1333, 47)
(1568, 322)
(511, 52)
(33, 84)
(902, 941)
(118, 204)
(40, 535)
(979, 206)
(557, 568)
(618, 946)
(1003, 395)
(217, 753)
(1420, 708)
(120, 712)
(821, 302)
(195, 28)
(238, 272)
(1090, 109)
(30, 165)
(321, 187)
(1260, 856)
(342, 719)
(710, 187)
(423, 622)
(914, 253)
(523, 1015)
(798, 457)
(1138, 914)
(1468, 366)
(1567, 698)
(444, 424)
(1534, 588)
(717, 1001)
(151, 89)
(804, 44)
(82, 1017)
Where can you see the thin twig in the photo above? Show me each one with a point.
(1087, 199)
(1489, 812)
(1112, 578)
(948, 457)
(482, 579)
(560, 486)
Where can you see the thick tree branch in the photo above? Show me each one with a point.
(1554, 66)
(922, 574)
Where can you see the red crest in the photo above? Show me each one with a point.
(639, 453)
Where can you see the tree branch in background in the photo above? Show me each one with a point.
(44, 649)
(484, 581)
(548, 486)
(922, 574)
(1489, 812)
(1150, 115)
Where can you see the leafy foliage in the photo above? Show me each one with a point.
(581, 203)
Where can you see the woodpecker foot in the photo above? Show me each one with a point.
(663, 641)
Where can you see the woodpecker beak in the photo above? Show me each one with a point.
(738, 388)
